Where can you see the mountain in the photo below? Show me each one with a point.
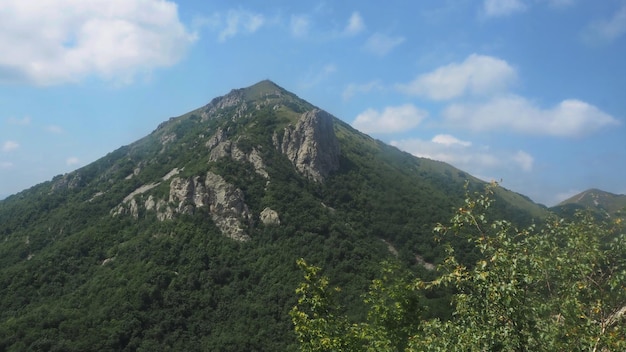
(593, 199)
(187, 238)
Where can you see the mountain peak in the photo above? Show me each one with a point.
(254, 128)
(257, 91)
(264, 86)
(597, 199)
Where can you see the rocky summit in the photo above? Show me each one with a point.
(187, 239)
(307, 141)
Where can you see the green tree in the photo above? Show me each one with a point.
(561, 287)
(390, 321)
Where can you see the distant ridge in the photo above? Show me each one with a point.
(596, 200)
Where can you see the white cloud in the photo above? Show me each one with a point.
(381, 44)
(5, 165)
(71, 161)
(300, 25)
(9, 146)
(477, 75)
(238, 21)
(391, 119)
(352, 89)
(25, 121)
(500, 8)
(607, 30)
(515, 113)
(449, 140)
(478, 160)
(355, 24)
(457, 154)
(58, 41)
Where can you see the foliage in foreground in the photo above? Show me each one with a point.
(558, 288)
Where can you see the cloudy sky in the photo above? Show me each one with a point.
(530, 92)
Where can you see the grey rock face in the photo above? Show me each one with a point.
(224, 202)
(227, 207)
(269, 217)
(232, 99)
(259, 166)
(311, 145)
(221, 147)
(67, 181)
(217, 138)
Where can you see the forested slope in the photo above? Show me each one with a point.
(163, 245)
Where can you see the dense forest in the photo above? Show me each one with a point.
(556, 287)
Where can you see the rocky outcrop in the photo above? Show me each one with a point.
(233, 99)
(311, 145)
(221, 147)
(140, 190)
(211, 193)
(227, 206)
(217, 138)
(255, 159)
(221, 199)
(269, 217)
(68, 181)
(240, 102)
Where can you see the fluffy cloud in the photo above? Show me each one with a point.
(355, 24)
(9, 146)
(607, 30)
(479, 160)
(500, 8)
(458, 153)
(392, 119)
(515, 113)
(449, 140)
(477, 75)
(381, 44)
(57, 41)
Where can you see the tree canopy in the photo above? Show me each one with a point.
(556, 287)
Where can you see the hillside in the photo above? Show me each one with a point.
(187, 239)
(604, 203)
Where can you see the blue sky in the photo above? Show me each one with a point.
(530, 92)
